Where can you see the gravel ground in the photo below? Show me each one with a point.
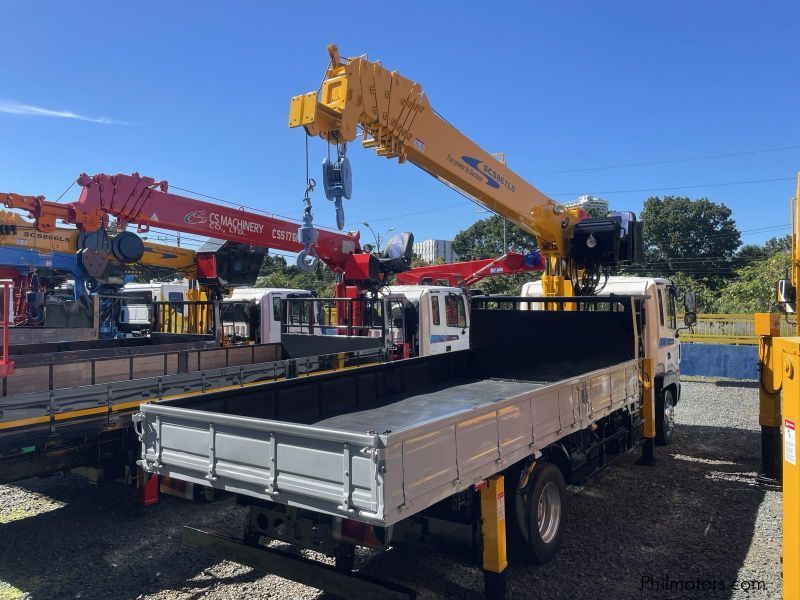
(697, 518)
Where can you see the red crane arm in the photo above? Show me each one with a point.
(147, 203)
(468, 273)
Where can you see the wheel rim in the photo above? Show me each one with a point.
(669, 414)
(548, 513)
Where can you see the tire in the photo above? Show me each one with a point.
(536, 515)
(665, 417)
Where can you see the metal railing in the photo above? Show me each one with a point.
(6, 364)
(342, 316)
(188, 316)
(115, 369)
(717, 328)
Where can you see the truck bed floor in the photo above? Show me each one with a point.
(404, 411)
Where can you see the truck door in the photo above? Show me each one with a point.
(449, 322)
(271, 310)
(668, 349)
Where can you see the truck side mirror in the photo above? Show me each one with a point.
(787, 294)
(690, 303)
(689, 318)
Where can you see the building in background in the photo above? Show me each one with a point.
(594, 205)
(432, 250)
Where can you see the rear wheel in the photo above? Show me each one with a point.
(665, 417)
(535, 526)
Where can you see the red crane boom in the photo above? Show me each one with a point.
(146, 203)
(468, 273)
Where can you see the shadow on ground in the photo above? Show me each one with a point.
(691, 516)
(686, 522)
(129, 550)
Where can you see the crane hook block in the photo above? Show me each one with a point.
(337, 178)
(307, 234)
(307, 259)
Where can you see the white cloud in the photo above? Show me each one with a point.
(16, 108)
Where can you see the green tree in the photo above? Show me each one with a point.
(277, 273)
(707, 301)
(753, 290)
(778, 244)
(749, 252)
(508, 285)
(773, 245)
(595, 212)
(484, 239)
(694, 236)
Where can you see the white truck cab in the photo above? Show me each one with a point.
(255, 314)
(442, 317)
(137, 303)
(659, 339)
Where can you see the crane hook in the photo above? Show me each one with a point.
(307, 258)
(337, 178)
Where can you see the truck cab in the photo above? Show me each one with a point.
(136, 309)
(659, 340)
(255, 314)
(435, 320)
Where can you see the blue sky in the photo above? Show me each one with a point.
(198, 93)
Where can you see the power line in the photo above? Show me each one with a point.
(669, 161)
(419, 212)
(679, 187)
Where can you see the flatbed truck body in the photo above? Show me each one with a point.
(385, 442)
(488, 436)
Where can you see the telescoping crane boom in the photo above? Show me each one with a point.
(398, 121)
(145, 202)
(469, 272)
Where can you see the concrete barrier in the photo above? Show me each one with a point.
(719, 360)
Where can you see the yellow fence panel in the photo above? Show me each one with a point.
(717, 328)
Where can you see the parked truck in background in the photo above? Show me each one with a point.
(253, 314)
(136, 310)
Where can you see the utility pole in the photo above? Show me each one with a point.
(378, 238)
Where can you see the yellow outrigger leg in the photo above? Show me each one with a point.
(493, 528)
(787, 357)
(779, 393)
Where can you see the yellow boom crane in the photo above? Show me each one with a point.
(398, 121)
